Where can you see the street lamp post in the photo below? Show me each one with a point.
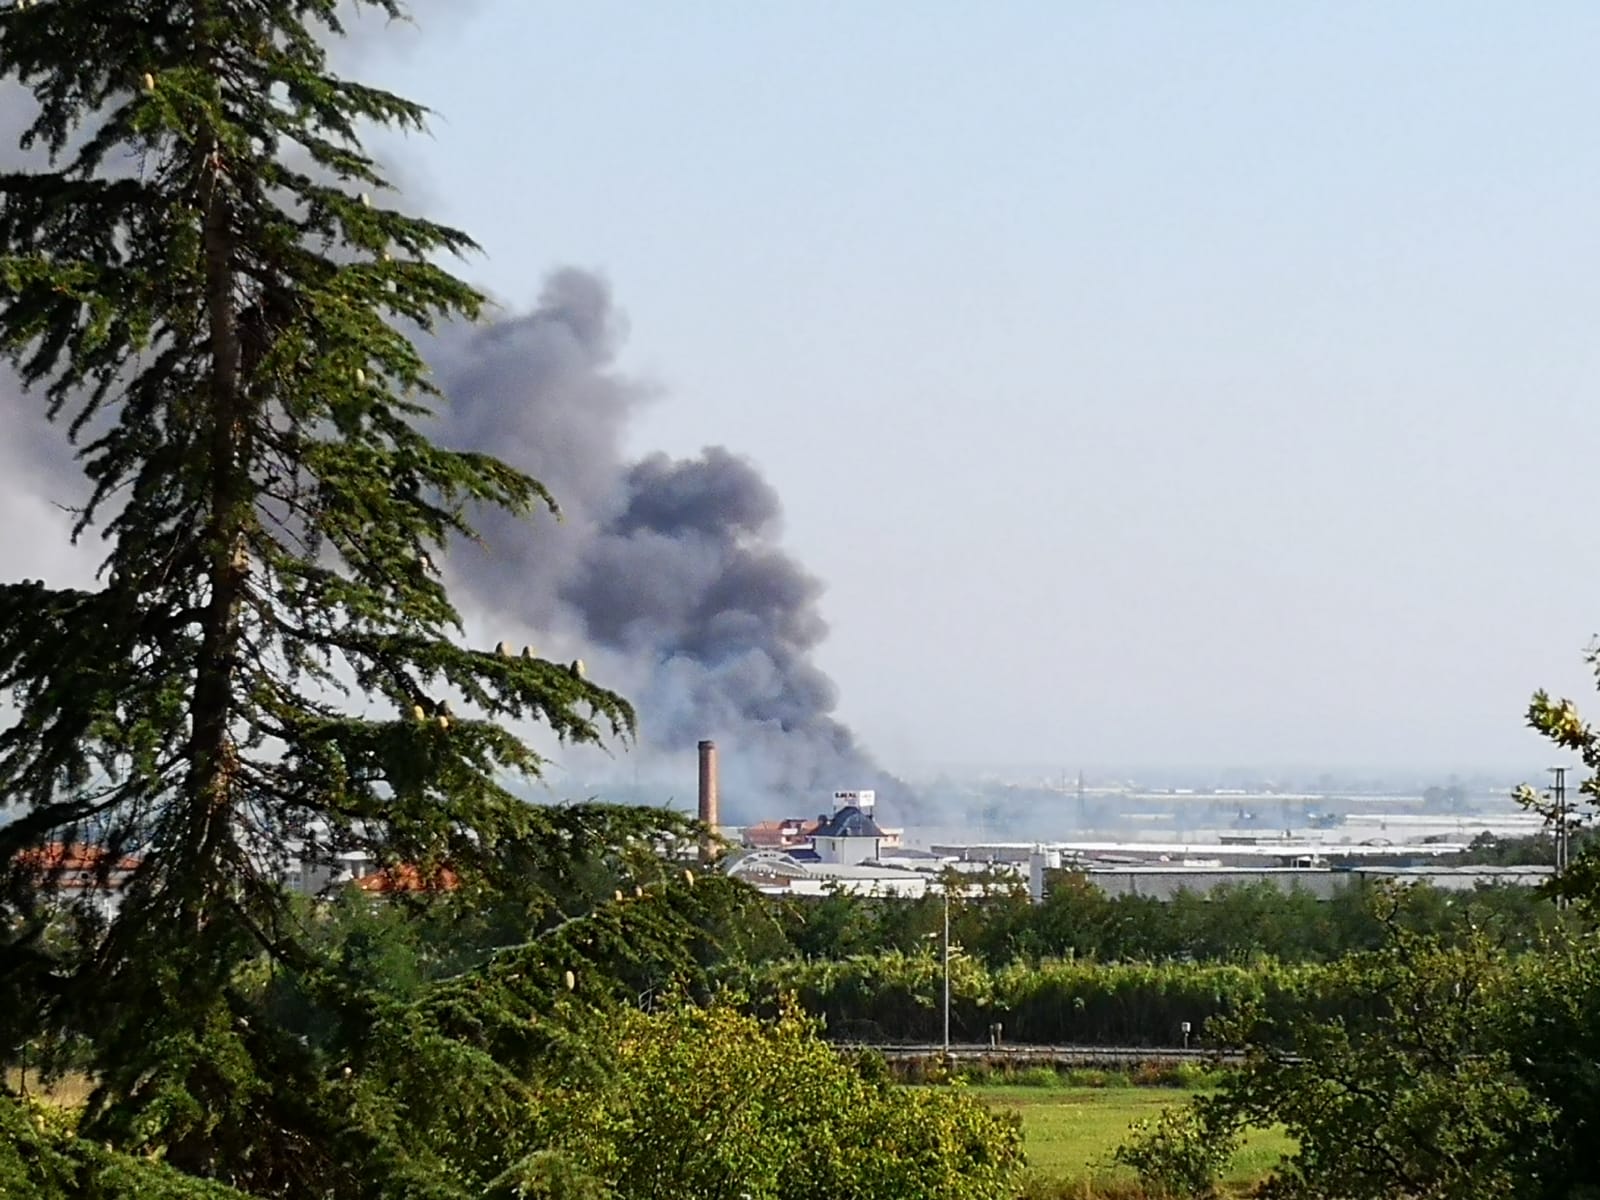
(1563, 826)
(947, 972)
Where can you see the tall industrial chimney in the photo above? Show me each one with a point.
(708, 792)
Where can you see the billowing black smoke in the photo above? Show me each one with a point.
(670, 569)
(666, 575)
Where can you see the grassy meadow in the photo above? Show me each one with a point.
(1070, 1133)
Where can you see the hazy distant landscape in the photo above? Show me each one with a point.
(798, 602)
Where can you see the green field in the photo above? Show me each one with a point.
(1069, 1133)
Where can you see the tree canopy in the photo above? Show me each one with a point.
(1450, 1068)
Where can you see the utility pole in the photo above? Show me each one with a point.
(947, 971)
(1559, 795)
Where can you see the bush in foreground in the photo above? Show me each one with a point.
(711, 1103)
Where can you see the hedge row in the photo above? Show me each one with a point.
(898, 998)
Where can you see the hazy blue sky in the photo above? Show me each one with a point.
(1152, 382)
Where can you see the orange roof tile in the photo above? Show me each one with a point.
(74, 857)
(407, 878)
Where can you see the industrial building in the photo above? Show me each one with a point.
(849, 856)
(848, 851)
(1165, 882)
(842, 851)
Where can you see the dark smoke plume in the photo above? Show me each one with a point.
(670, 567)
(665, 575)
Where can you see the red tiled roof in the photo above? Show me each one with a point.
(778, 834)
(74, 857)
(407, 878)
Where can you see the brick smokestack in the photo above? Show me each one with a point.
(708, 792)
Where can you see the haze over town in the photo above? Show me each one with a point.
(1151, 392)
(1172, 390)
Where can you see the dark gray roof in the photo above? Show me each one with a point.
(849, 822)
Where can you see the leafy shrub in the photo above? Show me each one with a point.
(1463, 1077)
(1179, 1153)
(1039, 1077)
(42, 1159)
(1037, 1185)
(980, 1073)
(711, 1104)
(1190, 1076)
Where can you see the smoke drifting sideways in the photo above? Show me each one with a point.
(667, 573)
(39, 482)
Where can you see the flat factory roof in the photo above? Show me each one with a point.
(1241, 849)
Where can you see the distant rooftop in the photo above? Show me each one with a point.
(1244, 848)
(849, 822)
(1530, 870)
